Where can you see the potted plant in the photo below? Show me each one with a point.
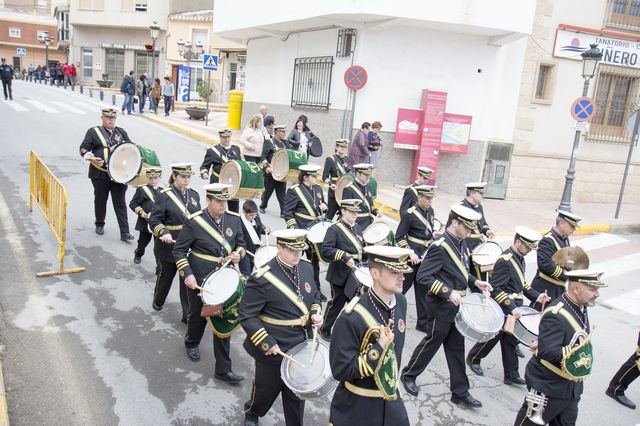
(196, 112)
(105, 82)
(204, 90)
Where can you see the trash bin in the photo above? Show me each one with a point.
(235, 109)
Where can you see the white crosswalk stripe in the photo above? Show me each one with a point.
(65, 105)
(16, 106)
(41, 106)
(89, 107)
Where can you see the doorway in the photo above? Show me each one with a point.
(496, 169)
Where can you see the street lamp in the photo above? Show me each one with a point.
(188, 52)
(155, 31)
(590, 59)
(46, 40)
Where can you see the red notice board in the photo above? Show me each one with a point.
(433, 106)
(456, 130)
(408, 126)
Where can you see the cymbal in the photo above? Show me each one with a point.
(575, 254)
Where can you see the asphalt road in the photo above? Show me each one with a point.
(87, 349)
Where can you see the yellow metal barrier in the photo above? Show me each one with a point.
(51, 198)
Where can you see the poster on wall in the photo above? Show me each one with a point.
(184, 80)
(433, 105)
(408, 129)
(456, 130)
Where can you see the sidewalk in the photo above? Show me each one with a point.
(180, 122)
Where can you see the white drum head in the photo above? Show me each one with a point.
(125, 163)
(220, 286)
(376, 232)
(230, 174)
(487, 318)
(264, 254)
(317, 232)
(363, 276)
(310, 377)
(437, 225)
(530, 322)
(486, 253)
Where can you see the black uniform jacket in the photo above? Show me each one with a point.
(215, 157)
(361, 192)
(271, 311)
(475, 237)
(302, 205)
(415, 230)
(142, 202)
(260, 230)
(508, 281)
(445, 269)
(354, 361)
(342, 243)
(101, 142)
(554, 337)
(409, 198)
(202, 245)
(334, 167)
(169, 215)
(270, 146)
(548, 271)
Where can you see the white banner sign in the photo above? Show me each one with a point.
(615, 51)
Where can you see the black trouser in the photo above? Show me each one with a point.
(332, 205)
(270, 184)
(267, 385)
(195, 330)
(420, 292)
(557, 412)
(6, 84)
(508, 344)
(628, 372)
(335, 305)
(144, 239)
(101, 190)
(163, 285)
(441, 333)
(315, 262)
(233, 205)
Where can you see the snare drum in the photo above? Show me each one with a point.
(128, 162)
(245, 177)
(224, 289)
(479, 323)
(486, 254)
(526, 328)
(263, 255)
(312, 381)
(316, 236)
(363, 276)
(437, 226)
(379, 233)
(285, 163)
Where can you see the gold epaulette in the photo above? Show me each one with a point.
(166, 190)
(294, 186)
(261, 271)
(411, 209)
(306, 260)
(507, 256)
(554, 309)
(233, 213)
(352, 304)
(437, 242)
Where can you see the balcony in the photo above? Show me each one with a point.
(623, 14)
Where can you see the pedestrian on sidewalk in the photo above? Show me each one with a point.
(66, 74)
(141, 91)
(53, 72)
(128, 87)
(156, 94)
(6, 75)
(264, 111)
(301, 135)
(167, 95)
(375, 143)
(74, 74)
(359, 150)
(30, 71)
(252, 139)
(38, 73)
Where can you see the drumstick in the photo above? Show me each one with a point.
(314, 344)
(530, 314)
(249, 253)
(543, 303)
(290, 358)
(473, 304)
(204, 289)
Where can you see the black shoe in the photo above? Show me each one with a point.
(10, 98)
(184, 320)
(282, 215)
(466, 401)
(323, 297)
(126, 237)
(193, 353)
(409, 385)
(157, 270)
(251, 422)
(326, 335)
(519, 352)
(137, 259)
(230, 377)
(514, 381)
(100, 230)
(421, 329)
(622, 399)
(156, 307)
(263, 211)
(475, 367)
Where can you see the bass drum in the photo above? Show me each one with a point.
(341, 183)
(128, 162)
(285, 163)
(223, 288)
(316, 236)
(245, 177)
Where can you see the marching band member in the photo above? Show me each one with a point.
(445, 273)
(208, 238)
(366, 349)
(302, 209)
(509, 289)
(343, 245)
(278, 308)
(415, 231)
(335, 166)
(142, 204)
(473, 200)
(271, 145)
(215, 158)
(628, 372)
(253, 229)
(361, 190)
(409, 197)
(174, 205)
(563, 355)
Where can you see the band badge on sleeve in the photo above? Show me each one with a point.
(401, 326)
(229, 232)
(307, 287)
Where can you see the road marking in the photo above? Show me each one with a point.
(90, 107)
(599, 241)
(618, 266)
(628, 302)
(41, 106)
(16, 106)
(68, 107)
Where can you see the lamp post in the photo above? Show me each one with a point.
(187, 51)
(590, 59)
(46, 40)
(155, 31)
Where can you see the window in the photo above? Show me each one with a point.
(312, 82)
(346, 42)
(87, 64)
(141, 5)
(42, 34)
(15, 32)
(624, 14)
(201, 36)
(127, 5)
(543, 88)
(114, 64)
(143, 63)
(92, 4)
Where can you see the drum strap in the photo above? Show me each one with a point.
(305, 201)
(361, 195)
(339, 165)
(518, 271)
(284, 289)
(350, 237)
(103, 142)
(178, 202)
(214, 233)
(422, 219)
(149, 193)
(456, 260)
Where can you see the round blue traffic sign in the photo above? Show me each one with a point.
(583, 109)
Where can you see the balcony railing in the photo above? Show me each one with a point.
(623, 14)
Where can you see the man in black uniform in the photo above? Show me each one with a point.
(410, 196)
(366, 351)
(269, 148)
(334, 167)
(99, 142)
(6, 75)
(361, 190)
(509, 289)
(343, 245)
(551, 277)
(142, 205)
(278, 308)
(563, 355)
(628, 372)
(215, 158)
(207, 240)
(473, 200)
(445, 273)
(415, 231)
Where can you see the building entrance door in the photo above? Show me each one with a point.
(496, 169)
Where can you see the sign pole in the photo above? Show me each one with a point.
(632, 142)
(206, 115)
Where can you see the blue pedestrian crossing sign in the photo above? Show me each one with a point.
(21, 51)
(210, 62)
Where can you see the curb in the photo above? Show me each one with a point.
(209, 140)
(4, 413)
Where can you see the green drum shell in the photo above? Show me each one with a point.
(226, 324)
(245, 177)
(149, 160)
